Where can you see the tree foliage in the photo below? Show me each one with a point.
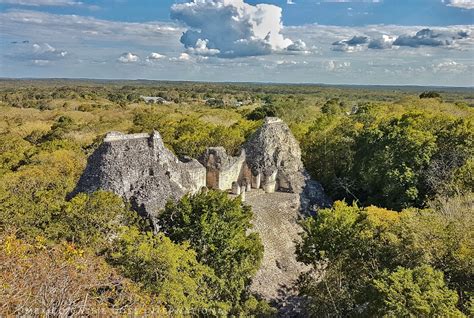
(395, 162)
(216, 227)
(418, 292)
(169, 271)
(356, 247)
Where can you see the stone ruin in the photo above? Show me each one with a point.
(144, 172)
(139, 168)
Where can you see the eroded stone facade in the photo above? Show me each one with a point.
(143, 171)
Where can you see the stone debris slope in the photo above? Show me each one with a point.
(276, 217)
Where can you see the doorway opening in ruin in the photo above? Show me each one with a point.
(282, 184)
(212, 178)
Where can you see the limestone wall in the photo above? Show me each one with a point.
(142, 170)
(231, 173)
(222, 169)
(196, 174)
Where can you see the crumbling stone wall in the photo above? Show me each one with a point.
(222, 169)
(143, 171)
(274, 154)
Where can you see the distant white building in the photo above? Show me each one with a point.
(154, 100)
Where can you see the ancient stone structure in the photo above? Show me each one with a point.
(271, 160)
(222, 170)
(274, 154)
(268, 174)
(143, 171)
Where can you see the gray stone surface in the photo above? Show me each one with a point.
(276, 219)
(142, 170)
(274, 153)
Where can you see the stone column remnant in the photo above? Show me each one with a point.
(242, 193)
(256, 181)
(248, 185)
(269, 187)
(235, 188)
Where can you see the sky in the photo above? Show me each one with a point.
(382, 42)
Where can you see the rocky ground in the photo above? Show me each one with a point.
(276, 220)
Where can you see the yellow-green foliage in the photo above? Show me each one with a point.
(169, 271)
(64, 280)
(384, 147)
(418, 292)
(360, 248)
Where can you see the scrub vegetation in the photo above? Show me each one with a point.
(397, 162)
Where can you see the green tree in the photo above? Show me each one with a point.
(390, 161)
(60, 128)
(170, 271)
(259, 113)
(349, 245)
(352, 247)
(430, 94)
(32, 198)
(14, 151)
(217, 228)
(333, 107)
(418, 292)
(94, 220)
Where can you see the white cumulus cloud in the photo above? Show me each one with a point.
(155, 56)
(128, 58)
(231, 28)
(464, 4)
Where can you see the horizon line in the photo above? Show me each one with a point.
(235, 82)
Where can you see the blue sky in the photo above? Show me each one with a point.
(422, 42)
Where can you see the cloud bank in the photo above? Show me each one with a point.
(464, 4)
(428, 37)
(425, 37)
(232, 28)
(94, 46)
